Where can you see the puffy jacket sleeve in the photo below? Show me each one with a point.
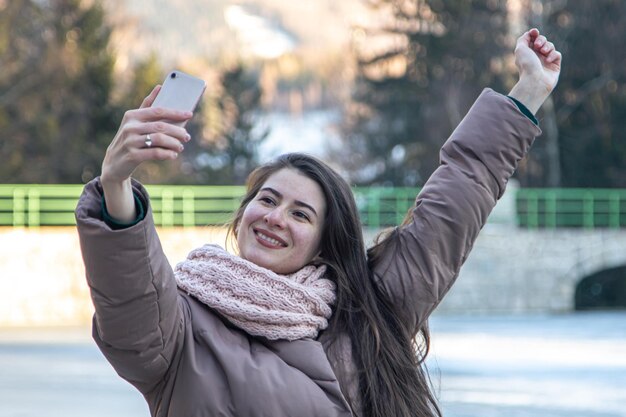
(137, 321)
(422, 260)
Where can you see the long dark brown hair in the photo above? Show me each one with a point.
(388, 354)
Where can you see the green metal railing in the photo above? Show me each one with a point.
(179, 205)
(384, 206)
(571, 208)
(172, 205)
(35, 205)
(189, 206)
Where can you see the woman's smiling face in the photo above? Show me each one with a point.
(281, 228)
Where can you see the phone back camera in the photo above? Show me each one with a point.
(173, 75)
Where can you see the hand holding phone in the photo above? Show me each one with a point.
(180, 91)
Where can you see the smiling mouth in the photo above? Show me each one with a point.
(269, 240)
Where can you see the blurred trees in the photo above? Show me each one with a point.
(590, 100)
(134, 87)
(418, 71)
(229, 132)
(61, 104)
(418, 74)
(55, 84)
(231, 153)
(224, 131)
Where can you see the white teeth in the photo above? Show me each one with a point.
(269, 239)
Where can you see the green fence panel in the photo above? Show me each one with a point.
(571, 208)
(384, 206)
(38, 205)
(188, 206)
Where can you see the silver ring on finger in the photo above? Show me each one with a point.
(148, 141)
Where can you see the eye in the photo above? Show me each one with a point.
(267, 200)
(302, 215)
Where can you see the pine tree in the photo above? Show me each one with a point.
(231, 135)
(55, 85)
(590, 100)
(412, 92)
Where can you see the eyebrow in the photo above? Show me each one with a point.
(297, 202)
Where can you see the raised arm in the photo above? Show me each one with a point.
(137, 321)
(419, 263)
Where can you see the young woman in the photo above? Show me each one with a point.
(303, 321)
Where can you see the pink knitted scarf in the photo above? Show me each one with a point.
(256, 299)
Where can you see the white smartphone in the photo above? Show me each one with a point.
(180, 91)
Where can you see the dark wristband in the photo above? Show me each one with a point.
(525, 110)
(115, 225)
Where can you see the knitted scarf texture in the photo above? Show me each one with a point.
(255, 299)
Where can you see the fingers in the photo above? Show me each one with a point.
(147, 102)
(166, 138)
(547, 51)
(540, 43)
(159, 140)
(528, 37)
(533, 33)
(534, 40)
(159, 146)
(146, 113)
(178, 133)
(165, 142)
(156, 153)
(162, 135)
(152, 114)
(157, 113)
(130, 148)
(554, 57)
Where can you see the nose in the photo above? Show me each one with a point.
(275, 218)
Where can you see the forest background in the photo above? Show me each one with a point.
(400, 75)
